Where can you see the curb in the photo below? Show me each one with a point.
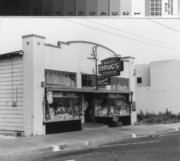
(83, 145)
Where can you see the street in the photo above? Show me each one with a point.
(163, 148)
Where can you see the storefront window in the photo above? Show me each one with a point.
(118, 107)
(88, 80)
(60, 78)
(112, 105)
(65, 106)
(119, 83)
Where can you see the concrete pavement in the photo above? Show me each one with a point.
(14, 147)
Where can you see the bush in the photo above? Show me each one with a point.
(140, 116)
(151, 118)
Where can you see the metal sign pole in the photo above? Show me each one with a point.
(95, 56)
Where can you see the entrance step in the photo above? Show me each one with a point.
(93, 126)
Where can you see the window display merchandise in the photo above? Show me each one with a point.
(110, 107)
(64, 107)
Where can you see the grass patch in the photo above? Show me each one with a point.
(162, 117)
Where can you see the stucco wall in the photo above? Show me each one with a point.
(164, 92)
(143, 71)
(165, 75)
(74, 58)
(156, 101)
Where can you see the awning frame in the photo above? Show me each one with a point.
(86, 90)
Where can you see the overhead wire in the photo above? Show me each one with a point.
(142, 37)
(161, 24)
(144, 68)
(167, 28)
(122, 36)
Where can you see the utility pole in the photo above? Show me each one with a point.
(94, 54)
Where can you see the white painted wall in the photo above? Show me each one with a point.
(74, 57)
(165, 75)
(155, 101)
(132, 87)
(33, 72)
(143, 71)
(164, 92)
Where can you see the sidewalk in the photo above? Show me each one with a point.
(10, 147)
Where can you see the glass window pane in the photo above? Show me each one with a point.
(56, 78)
(61, 78)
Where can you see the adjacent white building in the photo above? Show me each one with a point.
(158, 86)
(47, 88)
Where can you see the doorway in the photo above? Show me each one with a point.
(88, 98)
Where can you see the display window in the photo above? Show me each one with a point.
(64, 107)
(110, 107)
(118, 107)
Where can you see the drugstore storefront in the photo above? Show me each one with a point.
(67, 109)
(106, 101)
(54, 87)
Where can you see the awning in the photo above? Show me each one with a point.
(86, 90)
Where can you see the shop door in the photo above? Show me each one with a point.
(88, 111)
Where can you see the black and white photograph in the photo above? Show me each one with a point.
(90, 88)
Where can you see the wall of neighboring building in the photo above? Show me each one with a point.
(164, 91)
(143, 71)
(11, 94)
(165, 75)
(155, 101)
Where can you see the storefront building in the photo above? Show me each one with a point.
(57, 88)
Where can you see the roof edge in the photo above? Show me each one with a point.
(92, 43)
(11, 54)
(34, 35)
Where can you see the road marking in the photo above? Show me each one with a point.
(168, 135)
(70, 160)
(147, 142)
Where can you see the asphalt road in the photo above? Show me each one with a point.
(163, 148)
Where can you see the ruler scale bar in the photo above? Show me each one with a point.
(80, 7)
(138, 9)
(125, 7)
(114, 7)
(58, 7)
(69, 8)
(103, 8)
(122, 8)
(47, 7)
(91, 7)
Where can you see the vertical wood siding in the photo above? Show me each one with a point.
(11, 94)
